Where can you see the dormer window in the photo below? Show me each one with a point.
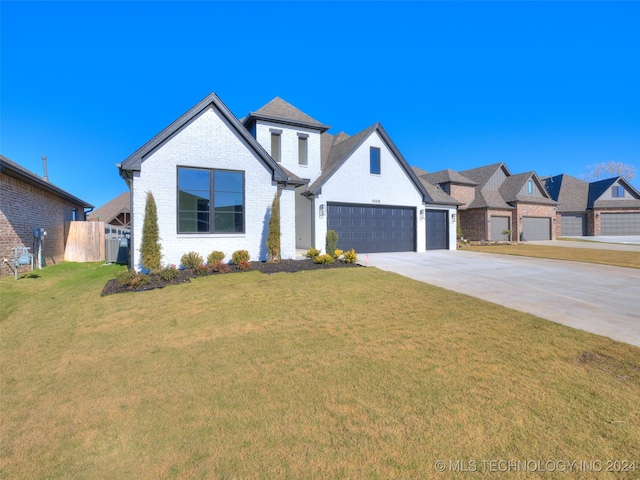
(617, 191)
(374, 161)
(275, 145)
(303, 153)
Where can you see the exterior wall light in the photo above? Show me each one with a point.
(422, 214)
(321, 211)
(453, 218)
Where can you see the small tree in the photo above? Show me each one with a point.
(150, 248)
(507, 234)
(331, 243)
(273, 236)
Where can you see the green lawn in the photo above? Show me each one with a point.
(589, 255)
(350, 373)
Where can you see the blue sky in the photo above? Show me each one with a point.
(544, 86)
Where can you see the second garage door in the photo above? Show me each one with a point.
(437, 229)
(536, 228)
(573, 225)
(620, 223)
(369, 229)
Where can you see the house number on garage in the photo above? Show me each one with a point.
(375, 201)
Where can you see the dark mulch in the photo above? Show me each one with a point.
(185, 276)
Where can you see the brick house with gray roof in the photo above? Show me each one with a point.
(494, 201)
(28, 201)
(609, 207)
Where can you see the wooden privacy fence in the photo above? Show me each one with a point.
(84, 241)
(95, 241)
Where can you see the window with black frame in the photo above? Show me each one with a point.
(210, 201)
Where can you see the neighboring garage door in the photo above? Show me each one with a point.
(573, 225)
(369, 229)
(620, 224)
(437, 229)
(536, 228)
(499, 225)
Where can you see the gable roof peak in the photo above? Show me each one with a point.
(281, 111)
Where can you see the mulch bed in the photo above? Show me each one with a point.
(185, 276)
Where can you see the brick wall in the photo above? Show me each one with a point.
(208, 142)
(24, 207)
(462, 193)
(532, 210)
(473, 224)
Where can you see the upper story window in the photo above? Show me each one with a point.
(530, 187)
(210, 201)
(617, 191)
(303, 152)
(276, 145)
(374, 160)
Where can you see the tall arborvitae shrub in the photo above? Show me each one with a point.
(150, 248)
(331, 243)
(273, 236)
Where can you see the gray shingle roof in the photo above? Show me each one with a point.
(512, 186)
(597, 189)
(448, 176)
(571, 193)
(279, 111)
(110, 210)
(134, 161)
(11, 168)
(482, 175)
(486, 198)
(418, 171)
(438, 195)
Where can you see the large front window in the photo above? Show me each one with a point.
(210, 201)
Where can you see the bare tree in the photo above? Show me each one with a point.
(602, 170)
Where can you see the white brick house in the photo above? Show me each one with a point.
(214, 182)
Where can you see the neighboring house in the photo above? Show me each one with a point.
(27, 202)
(116, 212)
(605, 207)
(214, 178)
(495, 201)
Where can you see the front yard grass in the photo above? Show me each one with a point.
(589, 255)
(351, 373)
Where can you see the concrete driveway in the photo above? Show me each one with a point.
(597, 298)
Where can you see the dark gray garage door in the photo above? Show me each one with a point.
(370, 229)
(620, 224)
(536, 228)
(573, 225)
(499, 225)
(437, 229)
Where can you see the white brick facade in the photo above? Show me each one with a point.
(208, 142)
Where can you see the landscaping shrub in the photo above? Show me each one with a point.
(150, 247)
(140, 280)
(130, 278)
(244, 265)
(324, 259)
(311, 253)
(337, 252)
(215, 257)
(169, 273)
(273, 236)
(331, 242)
(221, 267)
(350, 256)
(201, 270)
(124, 278)
(239, 256)
(191, 260)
